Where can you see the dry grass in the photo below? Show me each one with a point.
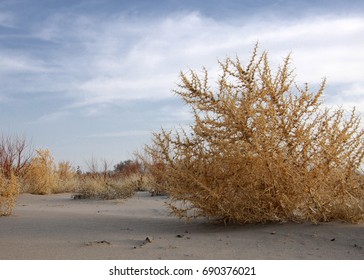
(100, 183)
(143, 182)
(41, 176)
(261, 149)
(68, 180)
(15, 154)
(99, 187)
(9, 191)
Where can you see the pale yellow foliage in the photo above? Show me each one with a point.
(42, 176)
(142, 182)
(68, 180)
(261, 149)
(101, 187)
(9, 191)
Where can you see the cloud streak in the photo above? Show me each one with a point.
(94, 61)
(116, 60)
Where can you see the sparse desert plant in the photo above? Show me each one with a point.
(127, 168)
(98, 168)
(99, 183)
(261, 149)
(136, 175)
(9, 191)
(141, 182)
(101, 188)
(67, 178)
(154, 174)
(41, 176)
(15, 154)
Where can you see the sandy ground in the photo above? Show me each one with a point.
(58, 227)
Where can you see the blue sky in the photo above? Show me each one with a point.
(95, 78)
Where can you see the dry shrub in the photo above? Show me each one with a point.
(261, 149)
(9, 191)
(99, 187)
(41, 176)
(99, 183)
(154, 176)
(67, 178)
(138, 176)
(143, 182)
(128, 168)
(15, 154)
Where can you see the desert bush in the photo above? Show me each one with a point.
(261, 149)
(98, 168)
(9, 191)
(100, 183)
(127, 168)
(141, 182)
(68, 180)
(41, 176)
(154, 174)
(15, 154)
(104, 188)
(134, 174)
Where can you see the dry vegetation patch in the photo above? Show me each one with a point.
(15, 154)
(261, 149)
(41, 176)
(101, 183)
(98, 187)
(9, 191)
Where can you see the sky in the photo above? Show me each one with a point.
(94, 79)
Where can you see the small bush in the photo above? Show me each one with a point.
(154, 175)
(261, 149)
(41, 176)
(143, 182)
(139, 175)
(68, 180)
(99, 187)
(9, 191)
(128, 168)
(100, 183)
(15, 155)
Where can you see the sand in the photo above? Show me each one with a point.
(58, 227)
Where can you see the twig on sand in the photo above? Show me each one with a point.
(90, 243)
(147, 240)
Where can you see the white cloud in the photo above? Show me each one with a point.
(109, 89)
(51, 117)
(355, 90)
(19, 63)
(327, 47)
(111, 60)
